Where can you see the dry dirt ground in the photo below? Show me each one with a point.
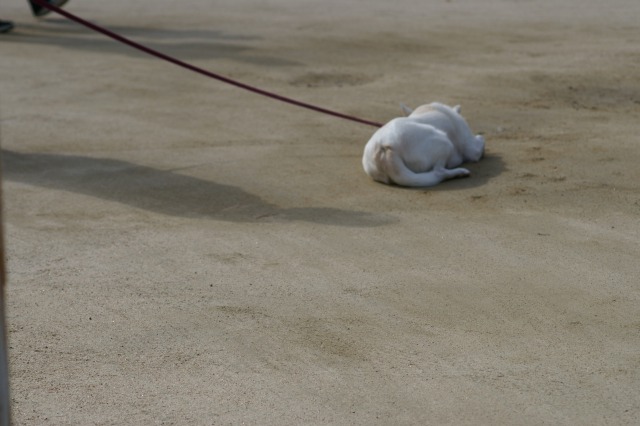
(183, 252)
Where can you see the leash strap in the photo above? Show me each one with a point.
(199, 70)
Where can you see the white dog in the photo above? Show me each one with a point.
(422, 149)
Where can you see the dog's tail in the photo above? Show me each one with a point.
(400, 174)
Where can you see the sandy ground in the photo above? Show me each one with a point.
(182, 252)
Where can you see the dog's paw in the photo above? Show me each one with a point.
(460, 172)
(480, 138)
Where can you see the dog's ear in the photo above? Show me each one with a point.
(407, 111)
(457, 109)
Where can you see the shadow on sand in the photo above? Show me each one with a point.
(165, 192)
(185, 44)
(490, 166)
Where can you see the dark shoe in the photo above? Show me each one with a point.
(6, 26)
(41, 11)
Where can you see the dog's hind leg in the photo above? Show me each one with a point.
(400, 174)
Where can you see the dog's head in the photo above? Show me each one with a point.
(423, 109)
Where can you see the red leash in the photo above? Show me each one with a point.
(199, 70)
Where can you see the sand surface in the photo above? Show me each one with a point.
(183, 252)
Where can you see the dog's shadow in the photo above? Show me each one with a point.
(490, 166)
(164, 192)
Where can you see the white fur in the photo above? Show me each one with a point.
(422, 149)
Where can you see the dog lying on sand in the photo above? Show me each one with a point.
(422, 149)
